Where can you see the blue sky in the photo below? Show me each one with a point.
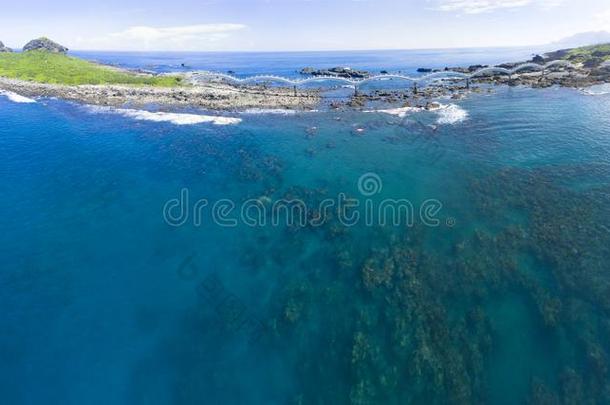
(279, 25)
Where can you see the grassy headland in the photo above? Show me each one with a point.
(589, 56)
(57, 68)
(596, 51)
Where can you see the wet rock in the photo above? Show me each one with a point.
(432, 106)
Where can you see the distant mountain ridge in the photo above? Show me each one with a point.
(582, 39)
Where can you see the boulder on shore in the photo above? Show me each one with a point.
(4, 48)
(44, 44)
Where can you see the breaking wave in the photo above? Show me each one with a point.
(16, 98)
(400, 112)
(261, 111)
(451, 114)
(448, 114)
(597, 90)
(174, 118)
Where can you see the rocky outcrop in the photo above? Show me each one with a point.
(456, 69)
(44, 44)
(538, 59)
(555, 55)
(345, 72)
(216, 96)
(510, 65)
(592, 62)
(4, 48)
(474, 68)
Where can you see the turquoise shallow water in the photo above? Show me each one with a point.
(505, 301)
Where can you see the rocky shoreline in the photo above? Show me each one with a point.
(425, 97)
(588, 67)
(215, 96)
(220, 95)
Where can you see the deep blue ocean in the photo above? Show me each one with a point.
(288, 64)
(132, 270)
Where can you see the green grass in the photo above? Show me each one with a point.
(585, 53)
(45, 67)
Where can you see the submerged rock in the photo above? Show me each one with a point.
(44, 44)
(4, 48)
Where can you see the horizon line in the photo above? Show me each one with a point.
(313, 50)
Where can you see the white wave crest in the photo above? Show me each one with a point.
(597, 90)
(451, 114)
(178, 119)
(260, 111)
(16, 98)
(174, 118)
(448, 114)
(400, 112)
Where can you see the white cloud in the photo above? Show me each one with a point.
(487, 6)
(602, 20)
(187, 32)
(188, 37)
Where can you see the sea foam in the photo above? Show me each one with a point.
(448, 114)
(597, 90)
(174, 118)
(451, 114)
(399, 112)
(16, 98)
(264, 111)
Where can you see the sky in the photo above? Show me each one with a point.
(297, 25)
